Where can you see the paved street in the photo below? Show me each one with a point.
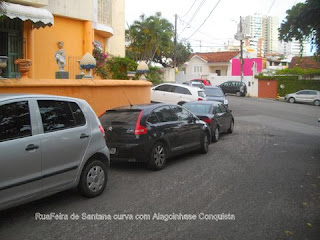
(266, 175)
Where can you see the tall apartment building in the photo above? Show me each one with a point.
(292, 48)
(262, 33)
(270, 34)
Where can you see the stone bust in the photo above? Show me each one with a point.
(60, 56)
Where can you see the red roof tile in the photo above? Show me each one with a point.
(304, 63)
(212, 57)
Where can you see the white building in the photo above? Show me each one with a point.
(271, 34)
(292, 48)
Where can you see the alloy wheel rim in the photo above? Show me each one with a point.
(206, 141)
(217, 133)
(95, 178)
(232, 126)
(159, 156)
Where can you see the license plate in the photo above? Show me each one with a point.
(112, 150)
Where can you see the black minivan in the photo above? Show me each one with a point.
(234, 87)
(152, 133)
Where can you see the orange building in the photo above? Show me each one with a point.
(31, 29)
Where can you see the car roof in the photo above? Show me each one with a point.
(140, 106)
(13, 96)
(181, 85)
(205, 102)
(208, 86)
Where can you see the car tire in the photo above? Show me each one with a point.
(158, 156)
(316, 103)
(215, 134)
(238, 94)
(231, 128)
(181, 103)
(205, 140)
(291, 100)
(93, 179)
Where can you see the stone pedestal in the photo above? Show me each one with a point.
(62, 75)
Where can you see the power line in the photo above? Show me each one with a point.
(193, 16)
(189, 9)
(205, 19)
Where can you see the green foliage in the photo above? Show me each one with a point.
(149, 37)
(306, 73)
(151, 40)
(101, 59)
(118, 67)
(155, 75)
(293, 85)
(302, 22)
(260, 76)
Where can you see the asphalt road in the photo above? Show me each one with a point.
(264, 178)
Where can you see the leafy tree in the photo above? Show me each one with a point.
(151, 39)
(302, 22)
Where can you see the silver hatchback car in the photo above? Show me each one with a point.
(49, 144)
(304, 96)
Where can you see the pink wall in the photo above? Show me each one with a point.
(247, 66)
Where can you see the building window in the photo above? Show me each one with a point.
(218, 72)
(197, 69)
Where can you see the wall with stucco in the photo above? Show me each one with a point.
(78, 9)
(116, 44)
(100, 94)
(71, 32)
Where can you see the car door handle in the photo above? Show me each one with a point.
(83, 135)
(32, 147)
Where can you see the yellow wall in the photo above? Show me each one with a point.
(100, 94)
(45, 45)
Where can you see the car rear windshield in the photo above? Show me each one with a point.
(198, 108)
(120, 117)
(201, 94)
(213, 92)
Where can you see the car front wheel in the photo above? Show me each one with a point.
(291, 100)
(230, 130)
(205, 143)
(93, 179)
(158, 156)
(316, 103)
(216, 134)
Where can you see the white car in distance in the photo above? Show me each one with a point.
(176, 93)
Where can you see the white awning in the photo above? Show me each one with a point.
(39, 16)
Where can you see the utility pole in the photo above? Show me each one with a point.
(175, 42)
(241, 51)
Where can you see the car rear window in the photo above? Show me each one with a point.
(120, 117)
(198, 108)
(214, 92)
(201, 94)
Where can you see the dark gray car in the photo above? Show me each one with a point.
(214, 93)
(49, 144)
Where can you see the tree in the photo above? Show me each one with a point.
(302, 22)
(151, 39)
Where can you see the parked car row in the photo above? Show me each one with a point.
(51, 143)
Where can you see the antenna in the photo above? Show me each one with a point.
(126, 98)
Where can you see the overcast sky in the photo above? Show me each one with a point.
(220, 26)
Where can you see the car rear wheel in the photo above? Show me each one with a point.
(238, 94)
(205, 143)
(291, 100)
(316, 103)
(230, 130)
(158, 156)
(216, 134)
(93, 178)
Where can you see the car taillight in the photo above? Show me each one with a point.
(207, 120)
(200, 99)
(102, 131)
(140, 130)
